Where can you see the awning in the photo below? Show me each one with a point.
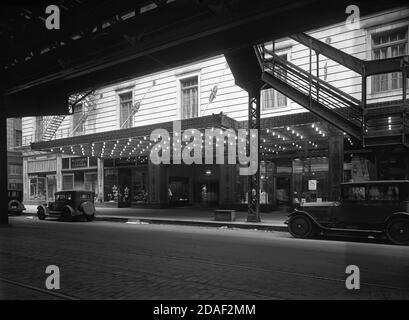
(131, 142)
(301, 134)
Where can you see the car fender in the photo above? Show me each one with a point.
(305, 213)
(396, 215)
(44, 207)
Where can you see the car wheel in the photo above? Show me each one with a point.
(66, 215)
(300, 226)
(397, 231)
(41, 213)
(90, 217)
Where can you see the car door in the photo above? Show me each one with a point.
(60, 202)
(353, 211)
(383, 200)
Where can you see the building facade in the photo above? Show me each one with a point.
(14, 155)
(299, 149)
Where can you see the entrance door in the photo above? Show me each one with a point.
(178, 191)
(125, 185)
(283, 190)
(51, 187)
(207, 193)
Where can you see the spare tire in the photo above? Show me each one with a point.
(88, 208)
(14, 204)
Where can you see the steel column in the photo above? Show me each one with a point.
(253, 214)
(4, 220)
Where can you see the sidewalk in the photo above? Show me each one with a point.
(185, 216)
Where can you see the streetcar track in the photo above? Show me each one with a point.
(30, 287)
(130, 273)
(253, 268)
(195, 260)
(221, 264)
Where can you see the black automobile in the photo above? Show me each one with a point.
(15, 202)
(68, 205)
(375, 208)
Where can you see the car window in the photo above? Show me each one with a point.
(354, 193)
(63, 197)
(85, 196)
(383, 193)
(60, 197)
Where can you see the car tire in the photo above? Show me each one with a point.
(300, 226)
(397, 231)
(66, 215)
(41, 213)
(90, 217)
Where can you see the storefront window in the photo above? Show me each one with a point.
(38, 189)
(310, 179)
(139, 186)
(111, 193)
(126, 184)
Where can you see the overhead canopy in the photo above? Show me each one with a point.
(297, 134)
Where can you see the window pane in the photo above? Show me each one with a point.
(189, 97)
(354, 193)
(387, 45)
(383, 193)
(126, 116)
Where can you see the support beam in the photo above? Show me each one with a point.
(335, 164)
(253, 214)
(4, 219)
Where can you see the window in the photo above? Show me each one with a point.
(37, 188)
(126, 114)
(18, 138)
(77, 119)
(68, 182)
(189, 97)
(383, 193)
(62, 197)
(354, 193)
(388, 45)
(271, 98)
(15, 169)
(66, 163)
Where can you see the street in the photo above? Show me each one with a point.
(104, 260)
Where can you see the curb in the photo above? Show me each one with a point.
(198, 223)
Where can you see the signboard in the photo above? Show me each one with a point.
(312, 185)
(81, 162)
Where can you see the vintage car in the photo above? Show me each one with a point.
(68, 205)
(15, 202)
(371, 208)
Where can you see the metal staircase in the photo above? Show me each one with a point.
(377, 124)
(51, 124)
(314, 94)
